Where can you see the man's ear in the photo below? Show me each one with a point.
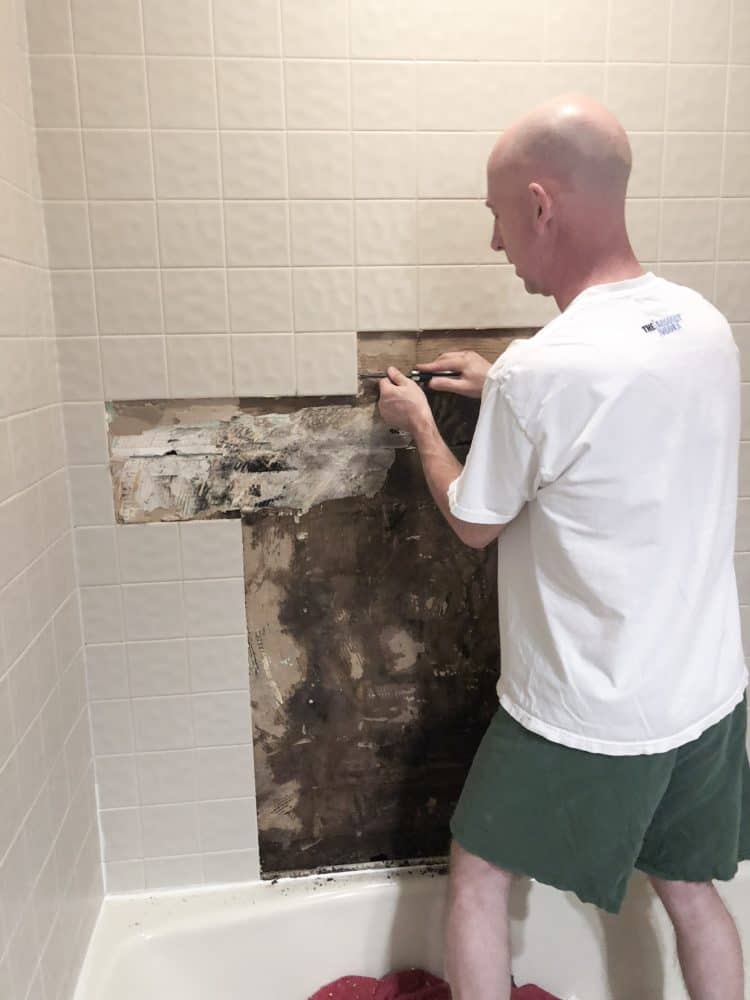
(541, 206)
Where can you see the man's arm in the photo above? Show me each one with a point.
(440, 468)
(404, 405)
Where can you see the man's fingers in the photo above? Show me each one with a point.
(449, 359)
(396, 376)
(458, 385)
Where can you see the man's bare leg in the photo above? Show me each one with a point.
(477, 938)
(708, 944)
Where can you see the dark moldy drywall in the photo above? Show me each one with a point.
(374, 655)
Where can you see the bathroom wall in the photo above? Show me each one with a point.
(233, 188)
(50, 870)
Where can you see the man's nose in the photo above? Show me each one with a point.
(496, 243)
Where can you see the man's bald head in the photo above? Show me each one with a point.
(573, 141)
(556, 184)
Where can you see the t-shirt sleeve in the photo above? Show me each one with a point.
(501, 470)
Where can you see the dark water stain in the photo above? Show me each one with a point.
(394, 626)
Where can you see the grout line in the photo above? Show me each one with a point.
(720, 212)
(289, 231)
(663, 172)
(222, 198)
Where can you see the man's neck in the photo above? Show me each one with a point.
(601, 271)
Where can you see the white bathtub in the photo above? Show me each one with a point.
(282, 941)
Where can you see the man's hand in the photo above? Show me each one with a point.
(403, 404)
(472, 366)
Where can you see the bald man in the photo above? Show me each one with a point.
(604, 462)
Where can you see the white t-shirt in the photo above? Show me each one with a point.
(608, 443)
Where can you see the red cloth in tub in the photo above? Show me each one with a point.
(410, 985)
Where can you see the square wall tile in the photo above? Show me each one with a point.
(85, 433)
(323, 299)
(570, 77)
(165, 873)
(79, 368)
(638, 30)
(257, 233)
(254, 164)
(642, 217)
(153, 610)
(322, 232)
(733, 291)
(113, 92)
(459, 297)
(60, 156)
(692, 164)
(700, 32)
(163, 723)
(263, 364)
(222, 719)
(211, 549)
(124, 876)
(738, 113)
(320, 164)
(637, 94)
(699, 219)
(224, 772)
(317, 28)
(121, 834)
(648, 152)
(114, 27)
(199, 366)
(326, 364)
(384, 95)
(455, 232)
(53, 85)
(128, 301)
(317, 94)
(96, 556)
(180, 31)
(219, 663)
(736, 165)
(166, 776)
(386, 232)
(106, 669)
(383, 29)
(91, 495)
(250, 93)
(170, 830)
(49, 27)
(228, 867)
(474, 96)
(116, 782)
(118, 165)
(452, 164)
(230, 824)
(191, 234)
(247, 28)
(134, 367)
(576, 30)
(195, 301)
(148, 553)
(741, 34)
(123, 234)
(260, 300)
(734, 236)
(698, 276)
(215, 607)
(102, 617)
(67, 226)
(182, 92)
(187, 164)
(496, 26)
(157, 668)
(696, 97)
(387, 298)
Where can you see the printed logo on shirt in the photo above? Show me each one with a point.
(663, 326)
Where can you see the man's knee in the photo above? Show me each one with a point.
(683, 899)
(470, 873)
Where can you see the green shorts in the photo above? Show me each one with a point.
(583, 821)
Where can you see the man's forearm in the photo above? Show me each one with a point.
(441, 467)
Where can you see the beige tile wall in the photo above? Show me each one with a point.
(232, 189)
(50, 868)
